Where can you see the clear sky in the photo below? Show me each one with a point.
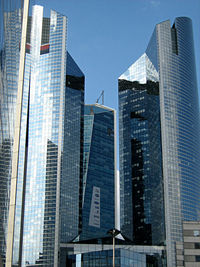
(106, 36)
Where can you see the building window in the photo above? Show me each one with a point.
(197, 245)
(197, 258)
(196, 233)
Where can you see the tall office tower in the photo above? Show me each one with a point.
(159, 139)
(71, 186)
(99, 163)
(37, 200)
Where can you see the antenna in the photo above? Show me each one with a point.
(101, 97)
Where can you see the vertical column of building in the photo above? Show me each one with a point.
(116, 178)
(171, 170)
(72, 163)
(62, 21)
(10, 30)
(180, 127)
(46, 124)
(15, 157)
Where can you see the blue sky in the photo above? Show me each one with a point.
(106, 36)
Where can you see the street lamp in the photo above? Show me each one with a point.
(113, 232)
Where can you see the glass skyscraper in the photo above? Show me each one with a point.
(49, 110)
(72, 169)
(99, 163)
(97, 197)
(159, 139)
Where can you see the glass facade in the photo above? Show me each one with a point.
(52, 111)
(41, 144)
(125, 256)
(98, 214)
(72, 170)
(140, 151)
(159, 139)
(105, 258)
(10, 38)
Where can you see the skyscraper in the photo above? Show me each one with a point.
(71, 184)
(51, 102)
(159, 139)
(99, 170)
(98, 195)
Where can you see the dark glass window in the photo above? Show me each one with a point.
(198, 258)
(197, 245)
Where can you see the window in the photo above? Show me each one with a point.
(197, 245)
(197, 258)
(196, 232)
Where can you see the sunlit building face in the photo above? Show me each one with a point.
(52, 110)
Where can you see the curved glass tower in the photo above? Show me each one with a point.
(160, 139)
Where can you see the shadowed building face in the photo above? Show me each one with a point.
(98, 213)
